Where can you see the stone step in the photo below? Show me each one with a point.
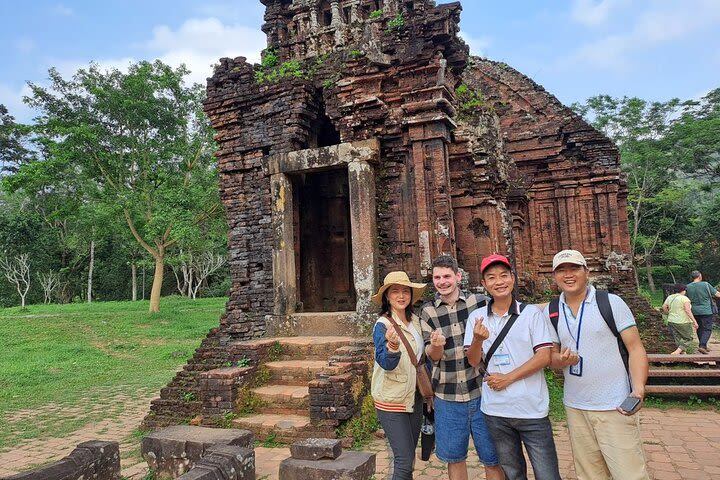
(284, 399)
(694, 358)
(281, 428)
(683, 389)
(684, 373)
(286, 348)
(300, 372)
(317, 324)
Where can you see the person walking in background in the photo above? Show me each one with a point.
(704, 308)
(680, 320)
(456, 383)
(512, 343)
(597, 334)
(398, 403)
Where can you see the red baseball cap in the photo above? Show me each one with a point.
(494, 258)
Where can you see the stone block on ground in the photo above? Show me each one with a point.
(173, 451)
(226, 462)
(316, 449)
(348, 466)
(92, 459)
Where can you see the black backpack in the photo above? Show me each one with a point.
(607, 314)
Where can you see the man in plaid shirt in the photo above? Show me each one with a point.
(455, 382)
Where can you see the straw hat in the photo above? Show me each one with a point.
(399, 278)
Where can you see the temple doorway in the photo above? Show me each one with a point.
(323, 246)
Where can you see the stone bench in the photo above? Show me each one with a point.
(173, 451)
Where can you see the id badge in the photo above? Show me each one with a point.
(501, 359)
(577, 369)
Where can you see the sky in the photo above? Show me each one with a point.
(652, 49)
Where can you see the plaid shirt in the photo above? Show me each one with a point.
(453, 377)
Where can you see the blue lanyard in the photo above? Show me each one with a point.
(577, 340)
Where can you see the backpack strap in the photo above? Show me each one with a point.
(503, 333)
(603, 299)
(606, 312)
(554, 312)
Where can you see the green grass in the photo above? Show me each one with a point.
(555, 390)
(656, 299)
(70, 355)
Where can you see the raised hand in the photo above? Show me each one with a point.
(480, 331)
(392, 337)
(437, 339)
(568, 357)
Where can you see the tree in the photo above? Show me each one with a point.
(695, 138)
(49, 282)
(639, 128)
(17, 272)
(143, 142)
(12, 137)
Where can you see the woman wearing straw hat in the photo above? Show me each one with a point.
(394, 390)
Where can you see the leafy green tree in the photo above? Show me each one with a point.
(695, 138)
(639, 128)
(13, 151)
(142, 141)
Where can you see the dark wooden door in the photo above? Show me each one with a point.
(325, 249)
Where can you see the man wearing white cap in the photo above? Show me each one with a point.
(606, 368)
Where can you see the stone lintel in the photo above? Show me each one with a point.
(317, 158)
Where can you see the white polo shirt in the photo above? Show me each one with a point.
(604, 383)
(526, 398)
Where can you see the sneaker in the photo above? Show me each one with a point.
(703, 350)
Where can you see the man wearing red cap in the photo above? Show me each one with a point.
(513, 343)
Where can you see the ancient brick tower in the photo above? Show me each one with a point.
(369, 141)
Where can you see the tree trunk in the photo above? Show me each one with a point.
(90, 271)
(637, 278)
(649, 274)
(157, 282)
(133, 274)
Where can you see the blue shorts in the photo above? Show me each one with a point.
(454, 423)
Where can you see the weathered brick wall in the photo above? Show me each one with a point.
(567, 189)
(336, 398)
(570, 190)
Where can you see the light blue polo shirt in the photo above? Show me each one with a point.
(604, 383)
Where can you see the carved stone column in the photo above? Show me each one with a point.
(285, 294)
(363, 226)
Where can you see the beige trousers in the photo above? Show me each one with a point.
(606, 445)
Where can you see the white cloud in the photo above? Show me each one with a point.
(63, 10)
(11, 97)
(593, 13)
(478, 45)
(197, 43)
(24, 45)
(662, 23)
(200, 43)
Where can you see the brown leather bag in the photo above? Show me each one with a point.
(424, 385)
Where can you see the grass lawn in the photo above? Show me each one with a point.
(63, 355)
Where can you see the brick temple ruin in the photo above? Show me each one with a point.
(369, 141)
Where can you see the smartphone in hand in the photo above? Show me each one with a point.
(630, 404)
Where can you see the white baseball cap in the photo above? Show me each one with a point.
(569, 256)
